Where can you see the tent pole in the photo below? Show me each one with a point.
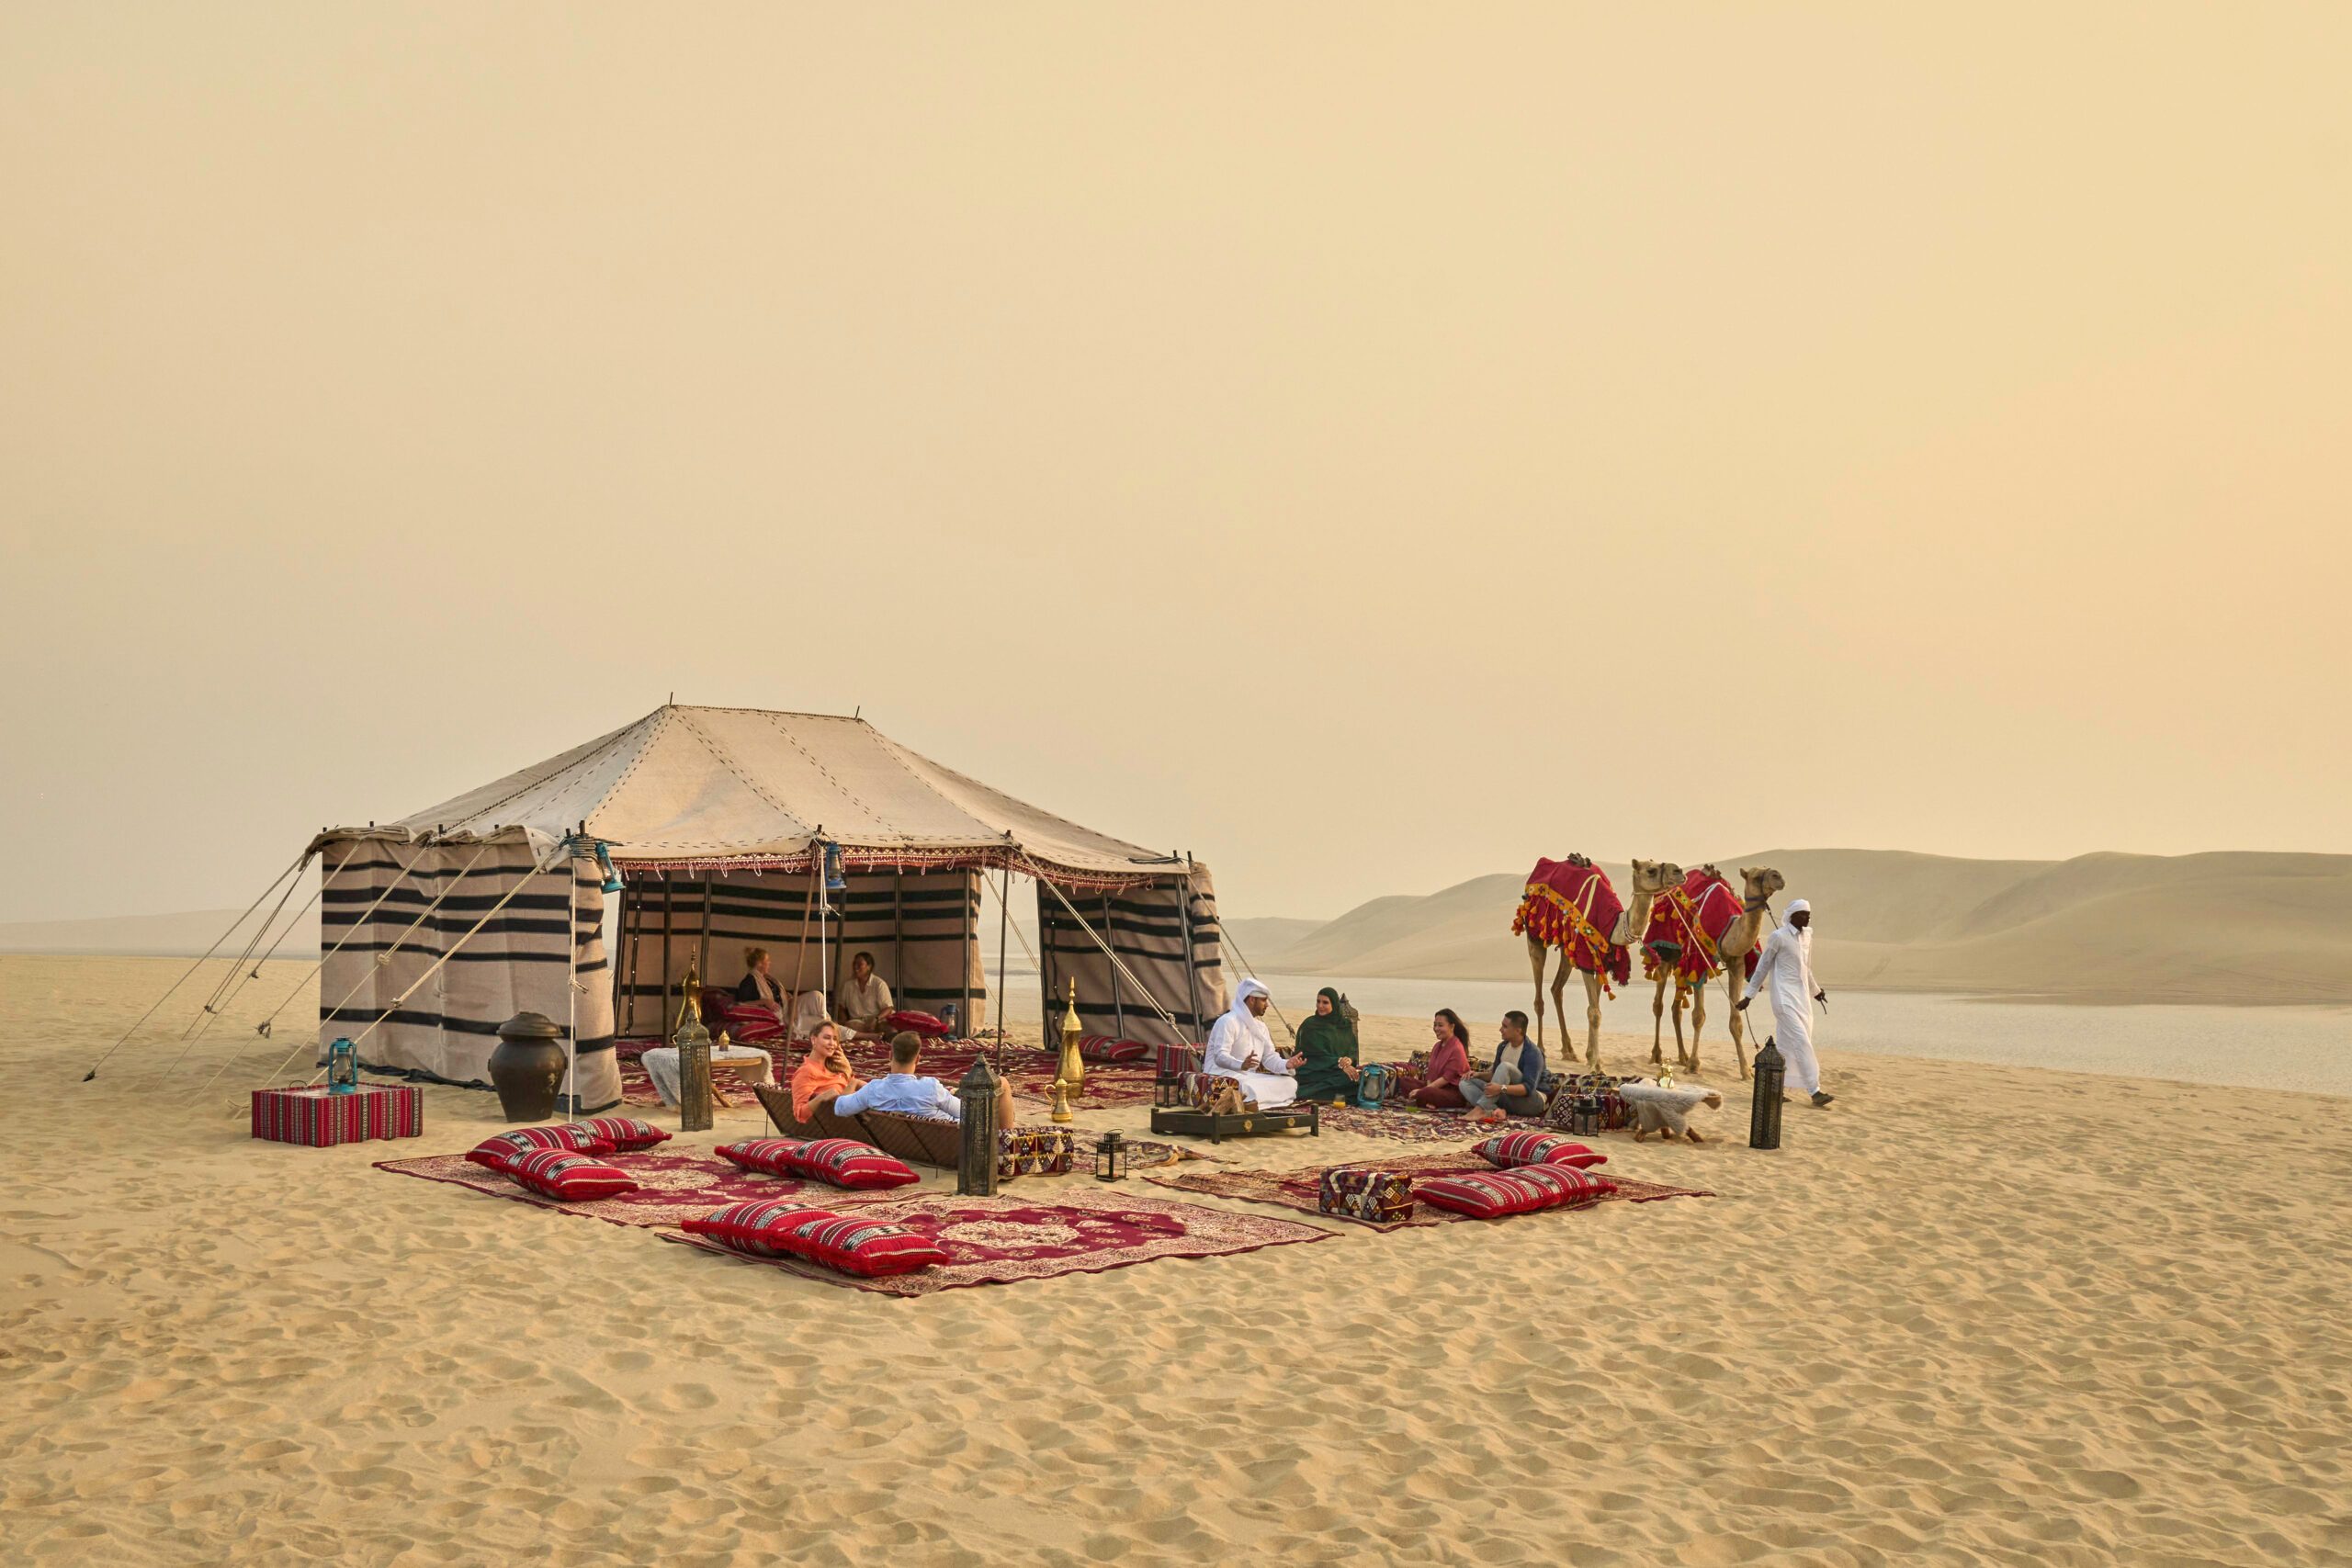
(964, 960)
(898, 931)
(1003, 929)
(669, 904)
(621, 925)
(1118, 1009)
(571, 992)
(1192, 970)
(702, 949)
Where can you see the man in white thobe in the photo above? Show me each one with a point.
(1784, 979)
(1240, 1046)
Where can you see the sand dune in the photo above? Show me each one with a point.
(2063, 1335)
(2244, 928)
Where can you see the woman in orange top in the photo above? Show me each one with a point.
(823, 1073)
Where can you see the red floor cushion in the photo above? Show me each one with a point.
(754, 1229)
(1507, 1151)
(497, 1152)
(928, 1025)
(770, 1156)
(625, 1133)
(1102, 1048)
(842, 1162)
(1491, 1195)
(561, 1173)
(870, 1249)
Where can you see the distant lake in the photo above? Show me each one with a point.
(2299, 1048)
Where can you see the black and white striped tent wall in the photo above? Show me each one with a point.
(920, 926)
(397, 908)
(1152, 927)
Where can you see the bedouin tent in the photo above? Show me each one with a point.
(717, 824)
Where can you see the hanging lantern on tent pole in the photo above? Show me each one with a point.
(1764, 1116)
(975, 1152)
(834, 882)
(611, 877)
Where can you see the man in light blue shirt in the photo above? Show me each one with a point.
(902, 1093)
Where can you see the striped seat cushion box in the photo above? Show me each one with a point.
(625, 1133)
(752, 1228)
(561, 1173)
(1491, 1195)
(842, 1162)
(769, 1157)
(1507, 1150)
(497, 1152)
(1177, 1059)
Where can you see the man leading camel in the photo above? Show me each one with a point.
(1784, 975)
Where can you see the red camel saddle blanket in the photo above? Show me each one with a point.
(1570, 904)
(1381, 1197)
(319, 1118)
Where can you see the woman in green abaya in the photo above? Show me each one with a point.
(1328, 1042)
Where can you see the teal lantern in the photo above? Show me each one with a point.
(343, 1067)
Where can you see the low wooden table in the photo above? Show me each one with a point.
(1184, 1121)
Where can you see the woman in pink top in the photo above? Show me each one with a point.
(1449, 1059)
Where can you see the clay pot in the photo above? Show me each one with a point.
(527, 1066)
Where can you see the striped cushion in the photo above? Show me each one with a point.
(841, 1162)
(770, 1156)
(625, 1133)
(499, 1152)
(928, 1025)
(1511, 1149)
(870, 1249)
(1102, 1048)
(1491, 1196)
(752, 1228)
(561, 1173)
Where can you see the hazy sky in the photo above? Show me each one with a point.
(1365, 446)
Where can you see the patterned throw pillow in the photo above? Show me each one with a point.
(1489, 1197)
(625, 1133)
(930, 1026)
(870, 1249)
(769, 1157)
(1509, 1150)
(842, 1162)
(498, 1153)
(561, 1173)
(753, 1229)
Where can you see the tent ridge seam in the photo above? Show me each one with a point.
(728, 761)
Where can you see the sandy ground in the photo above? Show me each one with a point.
(1963, 1317)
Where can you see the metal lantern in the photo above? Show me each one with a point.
(605, 863)
(1764, 1116)
(1584, 1115)
(833, 880)
(1111, 1158)
(343, 1067)
(695, 1110)
(976, 1156)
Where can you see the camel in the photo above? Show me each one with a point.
(1650, 878)
(1734, 943)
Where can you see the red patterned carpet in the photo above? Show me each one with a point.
(1031, 1071)
(996, 1241)
(670, 1187)
(1297, 1189)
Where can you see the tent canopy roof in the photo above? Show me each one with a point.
(702, 786)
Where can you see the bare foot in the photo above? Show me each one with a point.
(1640, 1134)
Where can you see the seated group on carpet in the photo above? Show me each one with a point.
(825, 1077)
(864, 1003)
(1326, 1067)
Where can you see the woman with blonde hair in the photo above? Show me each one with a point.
(759, 987)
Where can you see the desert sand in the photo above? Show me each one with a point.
(1962, 1317)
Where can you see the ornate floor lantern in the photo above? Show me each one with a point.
(1111, 1158)
(692, 1041)
(1764, 1117)
(976, 1158)
(1584, 1113)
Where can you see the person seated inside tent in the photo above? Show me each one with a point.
(901, 1092)
(1449, 1064)
(759, 987)
(864, 998)
(1239, 1047)
(1512, 1086)
(824, 1075)
(1328, 1044)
